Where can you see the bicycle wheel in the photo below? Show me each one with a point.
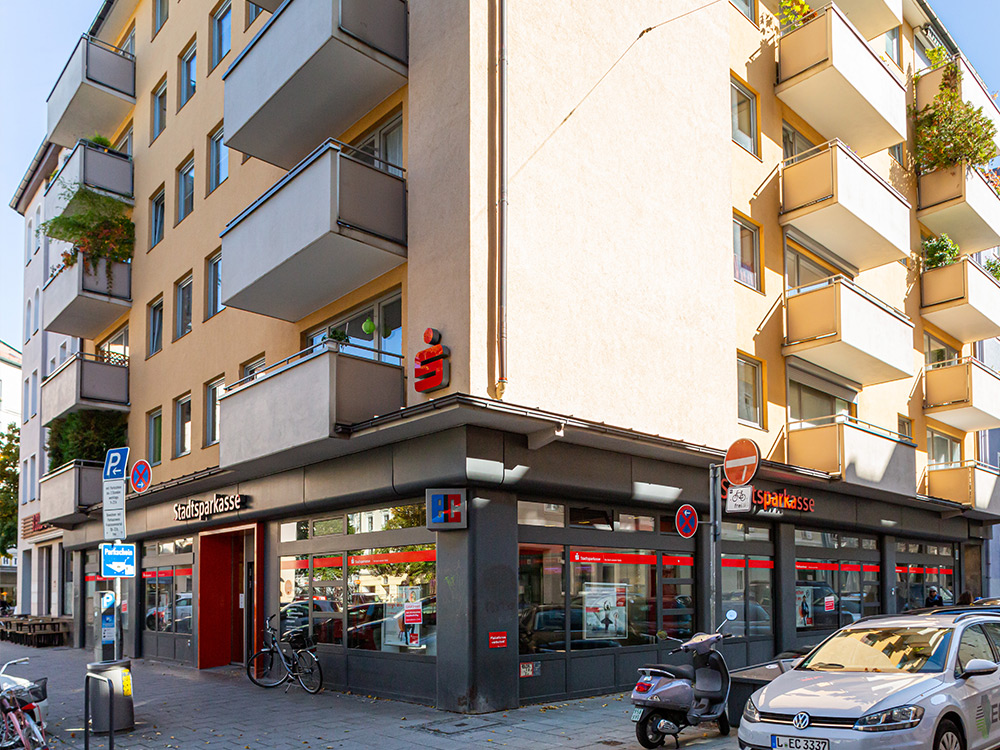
(33, 734)
(8, 732)
(266, 669)
(308, 672)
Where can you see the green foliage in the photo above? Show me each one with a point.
(99, 140)
(793, 13)
(940, 251)
(85, 436)
(9, 449)
(992, 266)
(938, 56)
(949, 131)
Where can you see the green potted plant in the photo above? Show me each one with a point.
(794, 13)
(85, 436)
(939, 251)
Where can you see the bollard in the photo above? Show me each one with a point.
(86, 710)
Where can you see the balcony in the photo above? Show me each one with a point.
(330, 225)
(317, 388)
(842, 328)
(86, 381)
(961, 203)
(327, 61)
(969, 482)
(962, 393)
(873, 18)
(94, 94)
(82, 300)
(90, 166)
(832, 78)
(970, 88)
(832, 196)
(961, 299)
(67, 492)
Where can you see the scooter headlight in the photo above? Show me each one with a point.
(904, 717)
(750, 712)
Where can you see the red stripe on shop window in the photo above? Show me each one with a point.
(296, 564)
(949, 571)
(183, 572)
(731, 563)
(426, 555)
(166, 573)
(328, 562)
(97, 578)
(815, 566)
(851, 568)
(146, 574)
(908, 569)
(872, 568)
(765, 564)
(667, 560)
(931, 570)
(620, 558)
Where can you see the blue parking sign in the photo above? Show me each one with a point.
(115, 464)
(118, 561)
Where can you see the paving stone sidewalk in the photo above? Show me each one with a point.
(181, 707)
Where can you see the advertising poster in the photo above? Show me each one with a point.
(605, 610)
(403, 618)
(803, 607)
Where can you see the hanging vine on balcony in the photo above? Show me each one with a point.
(97, 228)
(950, 131)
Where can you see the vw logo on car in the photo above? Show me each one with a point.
(801, 720)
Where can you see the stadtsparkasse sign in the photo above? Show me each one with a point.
(205, 509)
(777, 500)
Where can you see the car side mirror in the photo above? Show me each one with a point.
(976, 667)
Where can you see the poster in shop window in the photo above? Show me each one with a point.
(403, 618)
(803, 607)
(605, 610)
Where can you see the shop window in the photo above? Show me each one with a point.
(327, 597)
(67, 582)
(183, 601)
(590, 518)
(541, 598)
(630, 522)
(159, 584)
(848, 542)
(810, 538)
(328, 526)
(831, 594)
(165, 548)
(920, 585)
(384, 519)
(294, 531)
(747, 588)
(552, 515)
(293, 597)
(742, 532)
(383, 585)
(612, 598)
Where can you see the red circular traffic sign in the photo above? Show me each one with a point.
(686, 521)
(742, 460)
(141, 476)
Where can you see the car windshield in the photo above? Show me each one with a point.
(909, 649)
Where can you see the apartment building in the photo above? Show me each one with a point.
(388, 250)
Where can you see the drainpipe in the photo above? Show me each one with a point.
(501, 384)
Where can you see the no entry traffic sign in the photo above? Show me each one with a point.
(742, 460)
(686, 521)
(141, 476)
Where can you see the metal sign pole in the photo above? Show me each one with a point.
(715, 521)
(119, 625)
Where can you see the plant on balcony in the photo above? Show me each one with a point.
(85, 436)
(992, 266)
(939, 251)
(98, 227)
(950, 131)
(794, 13)
(99, 140)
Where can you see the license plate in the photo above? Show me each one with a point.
(798, 743)
(636, 714)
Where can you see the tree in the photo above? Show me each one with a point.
(9, 450)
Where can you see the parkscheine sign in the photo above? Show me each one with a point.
(204, 509)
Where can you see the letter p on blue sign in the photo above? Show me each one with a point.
(447, 509)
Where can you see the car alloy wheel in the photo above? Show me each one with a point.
(948, 737)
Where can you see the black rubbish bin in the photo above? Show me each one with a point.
(120, 673)
(746, 681)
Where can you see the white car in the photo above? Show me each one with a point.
(900, 681)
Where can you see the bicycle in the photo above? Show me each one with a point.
(293, 656)
(17, 727)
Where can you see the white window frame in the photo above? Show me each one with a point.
(150, 441)
(185, 198)
(737, 87)
(152, 308)
(213, 392)
(223, 11)
(218, 155)
(159, 118)
(758, 367)
(157, 209)
(756, 285)
(180, 449)
(213, 302)
(161, 12)
(184, 286)
(188, 74)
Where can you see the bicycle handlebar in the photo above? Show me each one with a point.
(22, 660)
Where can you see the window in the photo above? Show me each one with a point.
(381, 519)
(213, 392)
(744, 112)
(38, 234)
(974, 645)
(32, 484)
(161, 9)
(220, 33)
(115, 348)
(124, 144)
(24, 485)
(182, 307)
(793, 142)
(612, 604)
(252, 368)
(154, 437)
(590, 518)
(182, 426)
(128, 43)
(213, 303)
(552, 515)
(159, 109)
(27, 242)
(937, 353)
(750, 387)
(374, 332)
(943, 449)
(155, 336)
(157, 217)
(747, 588)
(218, 160)
(27, 321)
(253, 10)
(26, 399)
(813, 407)
(896, 152)
(67, 582)
(383, 147)
(63, 352)
(904, 426)
(746, 7)
(892, 46)
(185, 190)
(188, 70)
(34, 393)
(746, 253)
(802, 271)
(34, 319)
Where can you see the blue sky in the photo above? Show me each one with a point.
(39, 36)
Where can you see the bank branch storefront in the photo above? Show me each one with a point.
(549, 576)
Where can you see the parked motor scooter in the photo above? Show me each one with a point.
(668, 698)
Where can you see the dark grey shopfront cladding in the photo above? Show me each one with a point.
(568, 569)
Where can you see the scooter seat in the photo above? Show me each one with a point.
(680, 671)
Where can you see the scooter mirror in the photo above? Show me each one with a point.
(731, 615)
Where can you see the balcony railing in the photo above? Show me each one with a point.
(831, 77)
(962, 393)
(962, 203)
(90, 166)
(837, 325)
(327, 227)
(970, 89)
(318, 388)
(972, 483)
(94, 94)
(858, 452)
(67, 492)
(328, 61)
(86, 381)
(82, 300)
(962, 299)
(829, 194)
